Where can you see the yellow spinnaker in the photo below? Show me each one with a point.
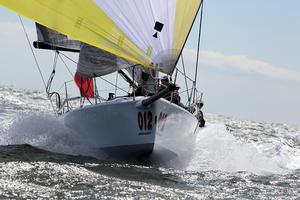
(82, 20)
(185, 15)
(142, 31)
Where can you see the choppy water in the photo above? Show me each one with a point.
(229, 159)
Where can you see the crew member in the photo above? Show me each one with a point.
(174, 96)
(164, 84)
(140, 91)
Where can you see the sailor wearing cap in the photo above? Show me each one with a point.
(174, 96)
(165, 82)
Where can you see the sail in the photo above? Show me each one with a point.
(94, 62)
(149, 32)
(50, 39)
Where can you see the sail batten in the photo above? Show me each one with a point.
(147, 32)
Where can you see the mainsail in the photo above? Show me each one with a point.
(50, 39)
(94, 62)
(148, 32)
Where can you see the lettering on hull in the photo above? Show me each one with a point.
(145, 133)
(146, 122)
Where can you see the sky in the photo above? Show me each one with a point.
(248, 69)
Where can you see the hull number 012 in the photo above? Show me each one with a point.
(145, 120)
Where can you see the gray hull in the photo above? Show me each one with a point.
(123, 127)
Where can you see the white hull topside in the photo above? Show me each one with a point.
(124, 126)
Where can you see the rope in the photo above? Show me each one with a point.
(37, 64)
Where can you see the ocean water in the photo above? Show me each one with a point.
(40, 158)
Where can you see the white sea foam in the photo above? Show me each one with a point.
(284, 149)
(179, 140)
(211, 148)
(44, 131)
(218, 149)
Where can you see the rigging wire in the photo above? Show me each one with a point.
(194, 87)
(117, 77)
(198, 51)
(49, 83)
(111, 90)
(113, 84)
(72, 75)
(99, 76)
(35, 59)
(185, 77)
(176, 74)
(37, 64)
(68, 58)
(63, 85)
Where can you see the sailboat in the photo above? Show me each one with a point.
(139, 39)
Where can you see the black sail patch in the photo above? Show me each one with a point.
(158, 27)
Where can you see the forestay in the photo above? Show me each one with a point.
(149, 32)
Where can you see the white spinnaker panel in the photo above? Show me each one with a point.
(137, 19)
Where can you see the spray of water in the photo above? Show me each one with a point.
(218, 150)
(44, 131)
(180, 141)
(210, 148)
